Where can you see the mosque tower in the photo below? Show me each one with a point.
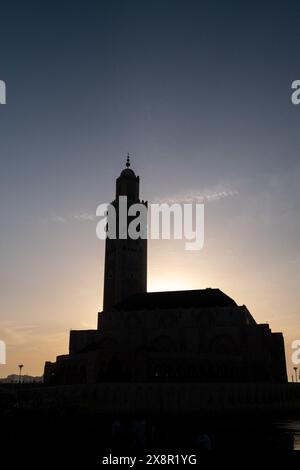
(125, 271)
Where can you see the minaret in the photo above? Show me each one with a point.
(125, 271)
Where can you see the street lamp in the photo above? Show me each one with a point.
(20, 373)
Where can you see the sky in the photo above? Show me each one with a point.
(199, 94)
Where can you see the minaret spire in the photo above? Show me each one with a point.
(125, 270)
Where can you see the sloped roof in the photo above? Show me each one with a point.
(201, 298)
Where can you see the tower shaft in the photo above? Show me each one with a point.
(125, 271)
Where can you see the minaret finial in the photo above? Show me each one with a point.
(128, 161)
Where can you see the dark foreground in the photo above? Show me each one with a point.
(74, 434)
(78, 434)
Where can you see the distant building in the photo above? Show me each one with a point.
(26, 379)
(181, 336)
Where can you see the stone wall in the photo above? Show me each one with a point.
(168, 397)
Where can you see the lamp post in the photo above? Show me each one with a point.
(20, 373)
(296, 378)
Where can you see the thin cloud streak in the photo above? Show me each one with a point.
(209, 195)
(80, 217)
(194, 196)
(22, 335)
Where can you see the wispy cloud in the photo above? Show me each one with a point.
(26, 336)
(206, 195)
(58, 219)
(85, 216)
(16, 334)
(194, 196)
(65, 219)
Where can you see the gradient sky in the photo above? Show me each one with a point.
(199, 93)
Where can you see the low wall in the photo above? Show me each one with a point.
(166, 397)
